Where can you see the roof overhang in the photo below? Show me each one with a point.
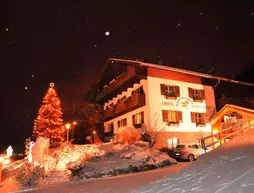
(230, 108)
(209, 76)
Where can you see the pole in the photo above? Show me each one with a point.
(67, 135)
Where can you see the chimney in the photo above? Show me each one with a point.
(158, 60)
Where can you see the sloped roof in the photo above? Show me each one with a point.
(230, 108)
(177, 70)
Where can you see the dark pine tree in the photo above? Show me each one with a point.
(247, 75)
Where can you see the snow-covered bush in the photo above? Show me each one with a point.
(127, 135)
(30, 175)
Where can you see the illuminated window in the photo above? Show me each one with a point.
(138, 119)
(172, 116)
(122, 123)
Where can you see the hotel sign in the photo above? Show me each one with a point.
(183, 102)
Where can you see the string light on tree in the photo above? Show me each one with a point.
(49, 122)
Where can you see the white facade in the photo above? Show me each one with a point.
(128, 115)
(156, 102)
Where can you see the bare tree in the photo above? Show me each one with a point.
(151, 133)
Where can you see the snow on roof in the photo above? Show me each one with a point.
(180, 70)
(227, 169)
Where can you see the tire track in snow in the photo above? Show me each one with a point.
(185, 180)
(233, 181)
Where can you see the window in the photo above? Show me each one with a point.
(170, 91)
(172, 116)
(138, 119)
(180, 146)
(198, 118)
(122, 123)
(111, 128)
(197, 95)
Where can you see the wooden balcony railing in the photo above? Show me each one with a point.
(116, 83)
(225, 134)
(129, 104)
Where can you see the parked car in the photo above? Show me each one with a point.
(187, 151)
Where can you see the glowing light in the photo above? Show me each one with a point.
(1, 159)
(36, 163)
(9, 151)
(94, 132)
(107, 33)
(74, 123)
(6, 161)
(26, 88)
(67, 125)
(48, 127)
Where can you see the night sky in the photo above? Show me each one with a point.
(69, 41)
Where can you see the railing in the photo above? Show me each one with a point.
(225, 134)
(118, 81)
(132, 102)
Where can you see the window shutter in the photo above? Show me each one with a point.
(190, 92)
(118, 124)
(205, 117)
(193, 118)
(179, 116)
(202, 94)
(163, 89)
(142, 117)
(165, 115)
(177, 91)
(125, 122)
(133, 119)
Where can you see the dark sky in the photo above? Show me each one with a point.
(65, 42)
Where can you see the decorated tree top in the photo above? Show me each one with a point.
(49, 122)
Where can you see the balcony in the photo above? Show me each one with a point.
(133, 102)
(121, 83)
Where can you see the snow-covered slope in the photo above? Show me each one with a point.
(227, 169)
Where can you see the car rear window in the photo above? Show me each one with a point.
(180, 146)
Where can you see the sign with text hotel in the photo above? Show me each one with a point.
(184, 103)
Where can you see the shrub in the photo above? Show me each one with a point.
(127, 135)
(30, 175)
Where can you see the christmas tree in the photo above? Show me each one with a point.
(49, 122)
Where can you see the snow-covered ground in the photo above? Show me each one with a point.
(227, 169)
(79, 162)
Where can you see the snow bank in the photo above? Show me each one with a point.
(100, 160)
(229, 168)
(121, 159)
